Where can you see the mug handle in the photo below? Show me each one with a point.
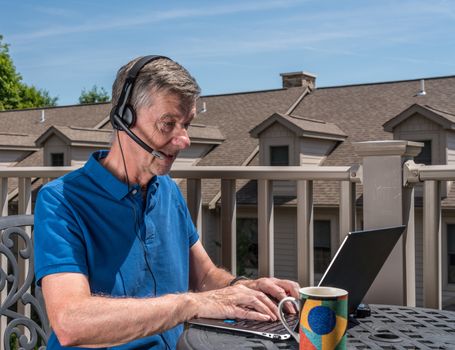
(283, 319)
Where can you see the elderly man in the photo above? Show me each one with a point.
(116, 250)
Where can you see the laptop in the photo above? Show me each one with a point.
(354, 268)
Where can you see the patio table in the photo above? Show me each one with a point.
(388, 327)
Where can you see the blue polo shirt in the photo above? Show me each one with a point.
(90, 222)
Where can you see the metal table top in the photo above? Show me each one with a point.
(388, 327)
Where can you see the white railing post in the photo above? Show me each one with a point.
(383, 206)
(228, 226)
(194, 202)
(432, 292)
(265, 229)
(305, 239)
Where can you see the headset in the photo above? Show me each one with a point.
(123, 116)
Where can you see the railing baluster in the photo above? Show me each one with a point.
(409, 246)
(195, 203)
(432, 292)
(228, 225)
(25, 195)
(3, 196)
(266, 262)
(305, 239)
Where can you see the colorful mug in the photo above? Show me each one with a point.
(323, 318)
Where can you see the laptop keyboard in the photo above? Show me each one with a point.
(263, 326)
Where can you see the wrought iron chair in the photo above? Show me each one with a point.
(24, 323)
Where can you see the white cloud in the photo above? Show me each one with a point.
(102, 24)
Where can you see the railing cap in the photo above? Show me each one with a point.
(388, 148)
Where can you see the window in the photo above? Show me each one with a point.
(247, 247)
(321, 245)
(57, 159)
(279, 155)
(451, 253)
(424, 157)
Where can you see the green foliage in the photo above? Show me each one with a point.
(14, 94)
(247, 247)
(94, 95)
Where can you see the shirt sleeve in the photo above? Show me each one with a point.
(59, 243)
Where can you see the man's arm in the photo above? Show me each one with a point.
(204, 275)
(81, 319)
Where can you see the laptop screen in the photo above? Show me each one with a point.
(359, 260)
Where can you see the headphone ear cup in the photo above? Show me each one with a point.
(129, 116)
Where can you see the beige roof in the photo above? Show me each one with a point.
(302, 127)
(200, 133)
(10, 140)
(33, 122)
(76, 136)
(361, 110)
(439, 116)
(235, 115)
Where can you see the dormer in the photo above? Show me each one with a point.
(68, 145)
(295, 140)
(432, 126)
(64, 146)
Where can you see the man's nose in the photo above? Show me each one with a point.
(182, 140)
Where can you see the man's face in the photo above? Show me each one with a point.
(164, 127)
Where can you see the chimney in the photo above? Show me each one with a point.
(299, 79)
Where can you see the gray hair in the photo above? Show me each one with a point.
(158, 75)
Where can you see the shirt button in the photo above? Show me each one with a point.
(134, 191)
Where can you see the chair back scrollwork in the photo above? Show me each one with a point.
(24, 323)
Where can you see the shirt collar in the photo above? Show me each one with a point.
(103, 177)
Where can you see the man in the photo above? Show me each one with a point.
(115, 248)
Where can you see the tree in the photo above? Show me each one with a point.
(14, 94)
(94, 95)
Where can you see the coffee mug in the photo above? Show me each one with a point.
(323, 318)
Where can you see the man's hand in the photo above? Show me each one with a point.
(275, 288)
(237, 301)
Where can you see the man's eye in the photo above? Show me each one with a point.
(168, 126)
(186, 126)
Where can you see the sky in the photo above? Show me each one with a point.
(229, 46)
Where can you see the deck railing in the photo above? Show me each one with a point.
(388, 197)
(304, 177)
(432, 177)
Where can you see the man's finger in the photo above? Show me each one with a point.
(251, 315)
(264, 305)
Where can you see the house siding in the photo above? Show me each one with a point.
(11, 157)
(450, 147)
(313, 152)
(193, 154)
(285, 243)
(80, 155)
